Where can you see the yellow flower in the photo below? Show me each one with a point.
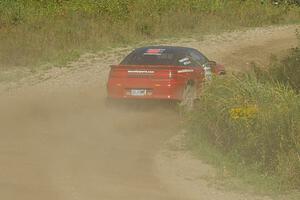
(246, 112)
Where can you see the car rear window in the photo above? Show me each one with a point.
(150, 56)
(176, 56)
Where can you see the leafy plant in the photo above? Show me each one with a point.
(285, 71)
(257, 124)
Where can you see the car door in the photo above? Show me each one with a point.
(199, 67)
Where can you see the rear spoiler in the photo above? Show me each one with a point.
(143, 66)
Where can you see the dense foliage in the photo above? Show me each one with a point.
(285, 71)
(254, 121)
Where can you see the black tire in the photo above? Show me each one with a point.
(189, 96)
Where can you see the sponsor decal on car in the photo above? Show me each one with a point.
(155, 52)
(141, 71)
(185, 71)
(185, 61)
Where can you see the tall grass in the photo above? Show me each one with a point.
(253, 120)
(284, 71)
(38, 31)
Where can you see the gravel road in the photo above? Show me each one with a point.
(60, 142)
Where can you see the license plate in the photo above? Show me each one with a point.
(135, 92)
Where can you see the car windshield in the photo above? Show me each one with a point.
(175, 56)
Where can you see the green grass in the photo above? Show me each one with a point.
(249, 126)
(234, 176)
(253, 128)
(285, 71)
(38, 32)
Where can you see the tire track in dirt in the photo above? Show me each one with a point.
(59, 141)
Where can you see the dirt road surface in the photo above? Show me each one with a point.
(60, 142)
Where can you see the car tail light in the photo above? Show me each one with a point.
(222, 72)
(117, 73)
(170, 74)
(166, 74)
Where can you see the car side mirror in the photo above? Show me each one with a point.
(212, 63)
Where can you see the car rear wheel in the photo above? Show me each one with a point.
(189, 96)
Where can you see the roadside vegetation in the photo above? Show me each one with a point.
(285, 71)
(251, 123)
(35, 32)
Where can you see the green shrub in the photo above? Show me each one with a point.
(256, 123)
(285, 71)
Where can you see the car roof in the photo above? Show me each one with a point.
(168, 48)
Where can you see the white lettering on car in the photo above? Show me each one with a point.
(183, 60)
(141, 71)
(185, 71)
(187, 62)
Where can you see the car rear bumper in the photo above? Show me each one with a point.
(158, 89)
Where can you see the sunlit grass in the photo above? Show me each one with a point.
(36, 32)
(254, 126)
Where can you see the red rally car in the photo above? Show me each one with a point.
(160, 72)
